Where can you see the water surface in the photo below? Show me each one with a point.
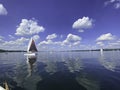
(61, 70)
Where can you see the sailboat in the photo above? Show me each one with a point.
(31, 50)
(101, 50)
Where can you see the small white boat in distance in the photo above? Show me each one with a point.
(101, 50)
(31, 50)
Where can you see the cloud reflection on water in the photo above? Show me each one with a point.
(82, 68)
(110, 60)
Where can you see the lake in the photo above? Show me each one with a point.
(93, 70)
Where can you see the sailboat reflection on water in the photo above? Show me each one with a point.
(30, 61)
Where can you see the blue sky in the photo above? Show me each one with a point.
(60, 24)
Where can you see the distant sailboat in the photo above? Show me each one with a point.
(101, 50)
(31, 50)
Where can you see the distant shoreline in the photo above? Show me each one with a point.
(117, 49)
(95, 50)
(1, 50)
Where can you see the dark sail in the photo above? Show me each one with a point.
(32, 46)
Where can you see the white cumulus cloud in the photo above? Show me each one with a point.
(29, 27)
(115, 3)
(100, 43)
(115, 43)
(76, 43)
(71, 39)
(1, 37)
(36, 37)
(1, 41)
(3, 10)
(48, 42)
(105, 37)
(20, 41)
(52, 36)
(82, 24)
(11, 37)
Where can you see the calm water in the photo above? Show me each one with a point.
(61, 71)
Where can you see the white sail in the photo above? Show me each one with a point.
(29, 44)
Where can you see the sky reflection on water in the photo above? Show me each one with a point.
(61, 71)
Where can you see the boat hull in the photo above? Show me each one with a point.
(30, 54)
